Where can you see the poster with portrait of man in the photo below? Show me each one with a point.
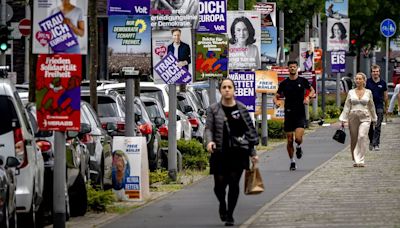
(338, 34)
(128, 43)
(177, 42)
(244, 39)
(60, 27)
(167, 14)
(268, 13)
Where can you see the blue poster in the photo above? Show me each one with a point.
(338, 61)
(128, 7)
(245, 88)
(269, 44)
(212, 14)
(170, 72)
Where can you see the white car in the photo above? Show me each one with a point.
(17, 139)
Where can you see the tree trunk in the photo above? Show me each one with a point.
(93, 52)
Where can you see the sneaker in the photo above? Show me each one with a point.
(371, 147)
(299, 152)
(292, 166)
(229, 221)
(376, 148)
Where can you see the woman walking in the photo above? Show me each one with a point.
(226, 119)
(359, 112)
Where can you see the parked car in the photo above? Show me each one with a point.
(99, 144)
(77, 167)
(8, 187)
(17, 139)
(185, 105)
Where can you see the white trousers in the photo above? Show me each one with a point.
(358, 135)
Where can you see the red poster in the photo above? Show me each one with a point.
(58, 78)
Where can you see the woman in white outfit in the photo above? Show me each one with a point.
(396, 96)
(359, 112)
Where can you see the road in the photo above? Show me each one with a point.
(196, 205)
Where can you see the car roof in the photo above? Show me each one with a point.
(6, 87)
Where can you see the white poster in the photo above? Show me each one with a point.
(244, 39)
(268, 13)
(60, 26)
(128, 181)
(338, 34)
(176, 41)
(306, 56)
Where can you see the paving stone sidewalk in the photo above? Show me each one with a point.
(339, 195)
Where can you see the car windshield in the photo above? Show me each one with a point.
(154, 93)
(152, 110)
(107, 107)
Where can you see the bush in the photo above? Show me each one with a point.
(333, 111)
(195, 162)
(98, 200)
(318, 116)
(275, 129)
(159, 175)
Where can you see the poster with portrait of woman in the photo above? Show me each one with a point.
(244, 39)
(60, 26)
(338, 34)
(306, 56)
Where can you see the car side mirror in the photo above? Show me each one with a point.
(158, 121)
(111, 127)
(72, 134)
(187, 108)
(85, 128)
(12, 162)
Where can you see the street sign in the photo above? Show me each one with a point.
(24, 27)
(388, 27)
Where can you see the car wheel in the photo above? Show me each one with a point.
(78, 197)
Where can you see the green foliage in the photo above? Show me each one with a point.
(198, 162)
(99, 200)
(275, 129)
(194, 156)
(318, 115)
(333, 111)
(159, 175)
(234, 5)
(190, 147)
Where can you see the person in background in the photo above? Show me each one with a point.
(294, 89)
(379, 91)
(359, 112)
(396, 96)
(179, 49)
(225, 119)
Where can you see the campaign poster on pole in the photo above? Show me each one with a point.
(338, 34)
(58, 93)
(268, 13)
(129, 43)
(212, 15)
(338, 61)
(165, 42)
(306, 57)
(58, 32)
(266, 81)
(211, 56)
(394, 46)
(337, 8)
(128, 7)
(245, 88)
(318, 61)
(269, 45)
(177, 13)
(129, 181)
(244, 39)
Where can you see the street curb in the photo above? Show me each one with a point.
(250, 221)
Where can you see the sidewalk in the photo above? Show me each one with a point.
(338, 195)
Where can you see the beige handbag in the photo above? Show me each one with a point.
(253, 183)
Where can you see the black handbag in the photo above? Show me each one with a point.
(237, 142)
(340, 135)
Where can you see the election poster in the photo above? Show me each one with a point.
(176, 41)
(274, 111)
(268, 13)
(167, 14)
(244, 39)
(60, 31)
(266, 81)
(128, 7)
(212, 15)
(394, 47)
(306, 57)
(338, 61)
(269, 45)
(245, 88)
(338, 34)
(211, 56)
(337, 8)
(129, 168)
(318, 60)
(129, 43)
(58, 94)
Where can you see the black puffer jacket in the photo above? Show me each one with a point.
(215, 126)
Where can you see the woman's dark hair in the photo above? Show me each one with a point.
(250, 29)
(342, 30)
(226, 79)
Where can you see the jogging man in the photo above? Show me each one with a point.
(380, 95)
(294, 90)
